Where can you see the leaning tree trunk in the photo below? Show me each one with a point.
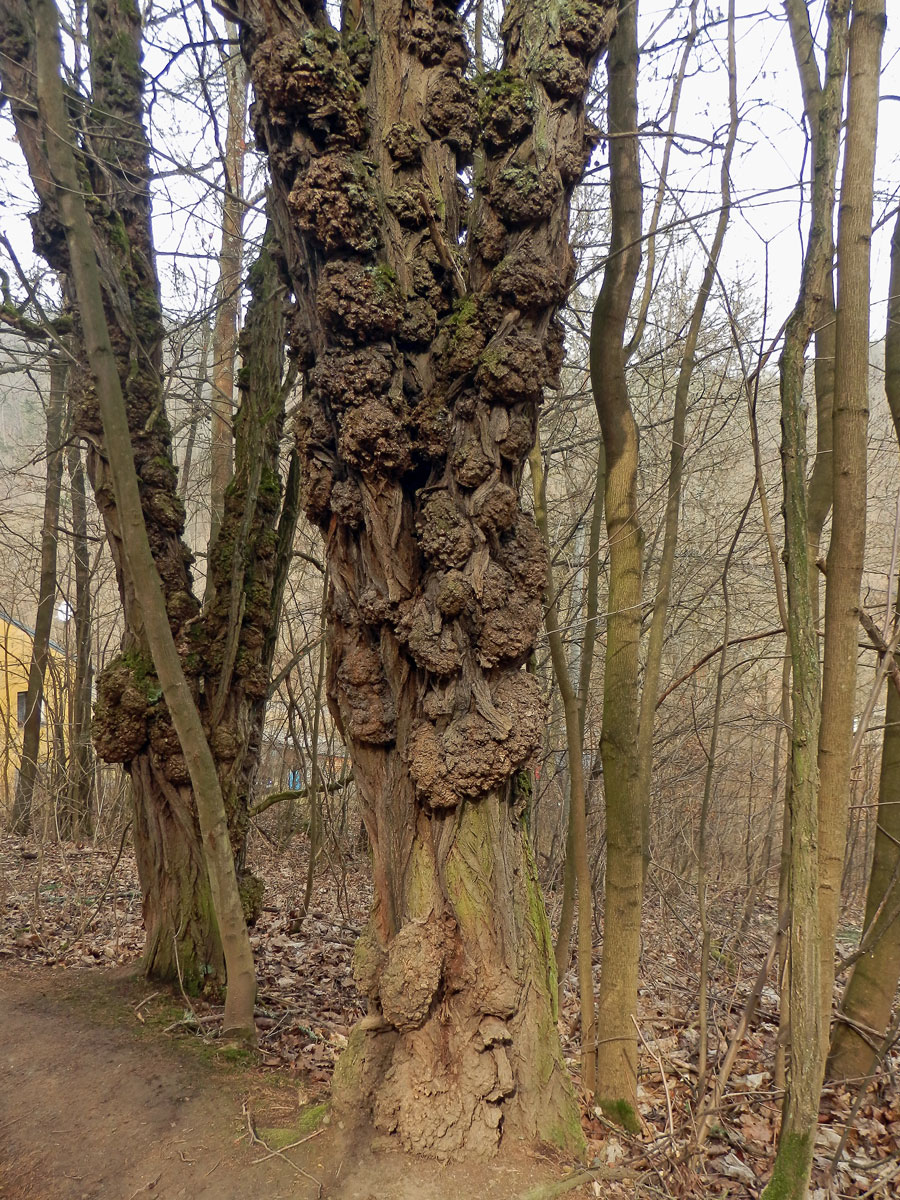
(225, 651)
(40, 648)
(425, 364)
(141, 568)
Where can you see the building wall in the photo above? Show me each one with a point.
(15, 659)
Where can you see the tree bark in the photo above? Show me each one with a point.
(77, 817)
(625, 817)
(225, 331)
(425, 362)
(226, 651)
(866, 1008)
(849, 427)
(140, 565)
(40, 646)
(790, 1177)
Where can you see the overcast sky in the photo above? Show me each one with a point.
(767, 227)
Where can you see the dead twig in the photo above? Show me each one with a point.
(148, 1187)
(256, 1140)
(86, 922)
(546, 1191)
(658, 1060)
(290, 1146)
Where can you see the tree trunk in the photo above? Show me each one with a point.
(77, 817)
(849, 428)
(869, 995)
(425, 363)
(141, 567)
(820, 484)
(40, 646)
(578, 849)
(625, 817)
(224, 342)
(226, 651)
(790, 1177)
(562, 948)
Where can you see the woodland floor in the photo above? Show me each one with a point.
(113, 1090)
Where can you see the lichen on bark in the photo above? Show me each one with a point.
(428, 343)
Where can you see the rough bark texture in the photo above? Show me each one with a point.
(426, 349)
(625, 814)
(866, 1008)
(226, 649)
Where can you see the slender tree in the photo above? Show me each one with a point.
(617, 1049)
(793, 1163)
(849, 427)
(40, 646)
(141, 568)
(77, 816)
(573, 713)
(866, 1007)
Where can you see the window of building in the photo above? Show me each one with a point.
(22, 707)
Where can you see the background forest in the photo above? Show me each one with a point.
(502, 515)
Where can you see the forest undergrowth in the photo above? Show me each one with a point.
(76, 907)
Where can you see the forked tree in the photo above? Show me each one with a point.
(422, 219)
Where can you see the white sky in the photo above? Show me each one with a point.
(765, 233)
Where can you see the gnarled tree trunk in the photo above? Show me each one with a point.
(225, 650)
(426, 359)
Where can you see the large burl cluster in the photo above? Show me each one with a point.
(424, 224)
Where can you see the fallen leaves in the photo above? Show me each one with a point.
(67, 907)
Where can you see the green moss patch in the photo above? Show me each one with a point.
(622, 1113)
(308, 1120)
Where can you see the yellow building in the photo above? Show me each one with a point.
(16, 641)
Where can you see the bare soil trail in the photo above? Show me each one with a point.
(95, 1105)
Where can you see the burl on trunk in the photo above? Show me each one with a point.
(422, 215)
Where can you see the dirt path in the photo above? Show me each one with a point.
(89, 1110)
(95, 1107)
